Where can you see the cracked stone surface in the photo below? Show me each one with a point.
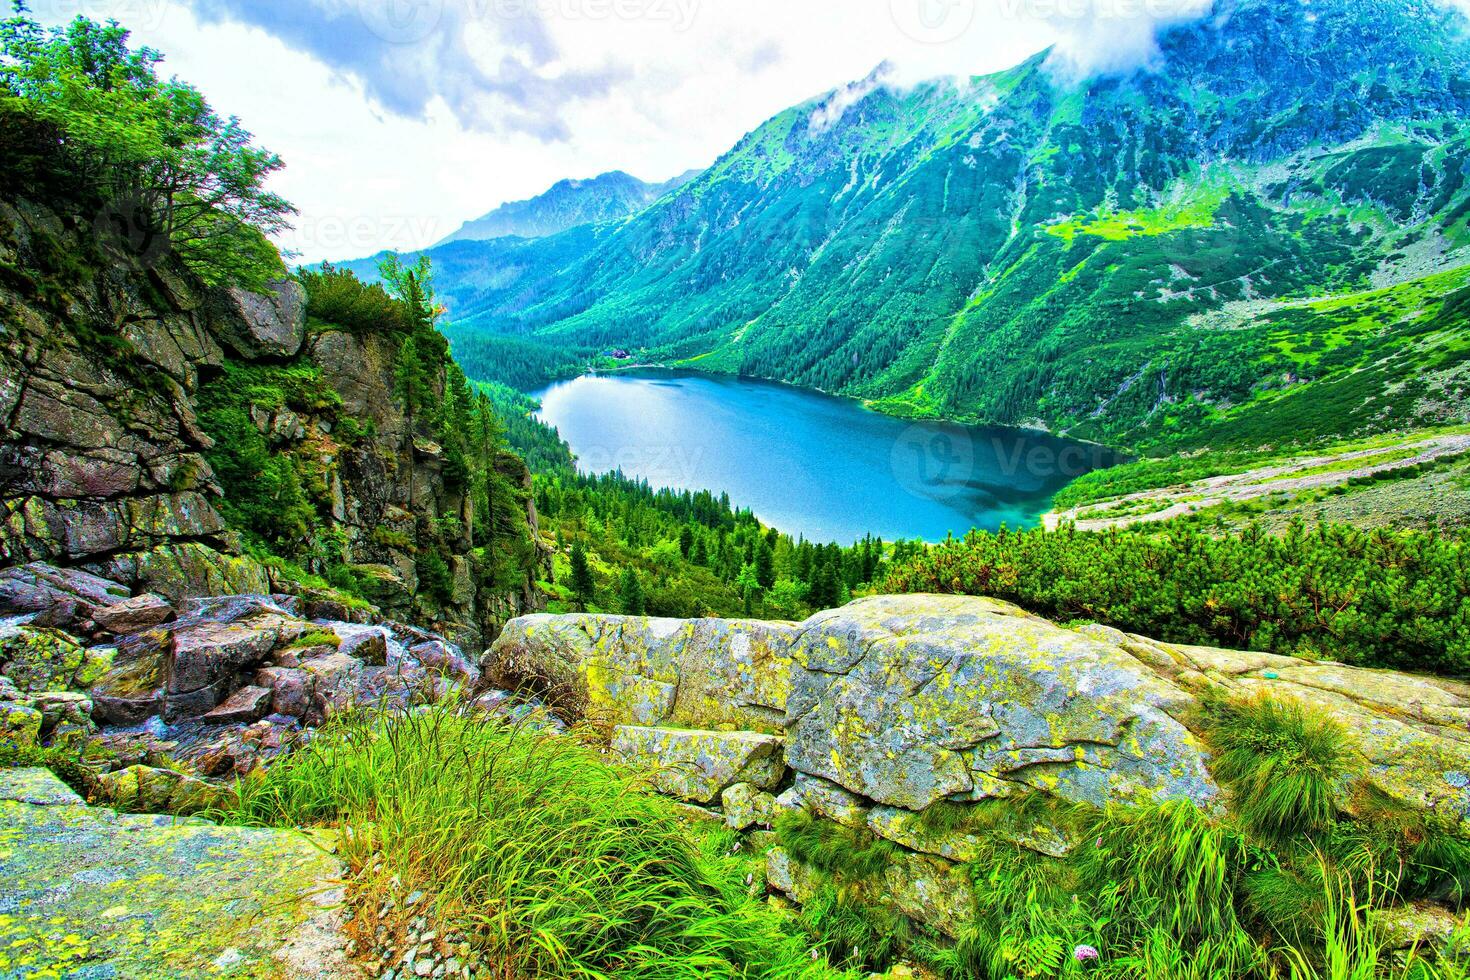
(86, 892)
(902, 701)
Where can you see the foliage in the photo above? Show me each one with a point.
(1375, 598)
(553, 863)
(695, 554)
(1285, 767)
(163, 164)
(338, 297)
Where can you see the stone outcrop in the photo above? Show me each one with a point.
(106, 363)
(222, 683)
(699, 766)
(91, 892)
(892, 705)
(632, 671)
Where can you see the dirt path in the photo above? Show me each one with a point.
(1296, 476)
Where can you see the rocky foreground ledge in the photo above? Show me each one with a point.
(869, 715)
(146, 686)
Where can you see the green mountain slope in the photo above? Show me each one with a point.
(1258, 240)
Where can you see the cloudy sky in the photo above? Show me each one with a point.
(400, 119)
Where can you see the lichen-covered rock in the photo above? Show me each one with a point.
(134, 615)
(903, 701)
(788, 876)
(40, 659)
(914, 699)
(1412, 733)
(830, 801)
(932, 891)
(629, 670)
(697, 765)
(746, 806)
(90, 892)
(907, 829)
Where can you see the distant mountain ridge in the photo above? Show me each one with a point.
(1247, 243)
(567, 204)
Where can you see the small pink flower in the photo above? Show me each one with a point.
(1084, 953)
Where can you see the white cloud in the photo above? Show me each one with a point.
(1110, 37)
(384, 148)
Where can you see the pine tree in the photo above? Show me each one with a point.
(583, 586)
(630, 594)
(748, 585)
(765, 564)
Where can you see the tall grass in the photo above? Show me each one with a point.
(1351, 948)
(1285, 767)
(554, 863)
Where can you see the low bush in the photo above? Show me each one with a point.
(1372, 598)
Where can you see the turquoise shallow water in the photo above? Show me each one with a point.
(811, 464)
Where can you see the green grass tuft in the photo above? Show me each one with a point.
(1286, 768)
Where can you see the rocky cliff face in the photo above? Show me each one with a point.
(872, 715)
(105, 362)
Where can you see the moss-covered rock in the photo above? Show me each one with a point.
(20, 724)
(90, 892)
(698, 766)
(142, 789)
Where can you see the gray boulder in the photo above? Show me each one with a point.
(270, 324)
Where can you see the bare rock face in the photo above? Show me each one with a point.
(104, 457)
(256, 325)
(134, 615)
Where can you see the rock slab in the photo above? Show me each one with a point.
(89, 892)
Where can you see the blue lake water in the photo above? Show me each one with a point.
(811, 464)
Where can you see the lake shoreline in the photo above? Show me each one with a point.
(827, 467)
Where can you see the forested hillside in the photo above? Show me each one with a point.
(179, 415)
(1247, 244)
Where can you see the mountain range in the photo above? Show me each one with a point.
(567, 204)
(1259, 237)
